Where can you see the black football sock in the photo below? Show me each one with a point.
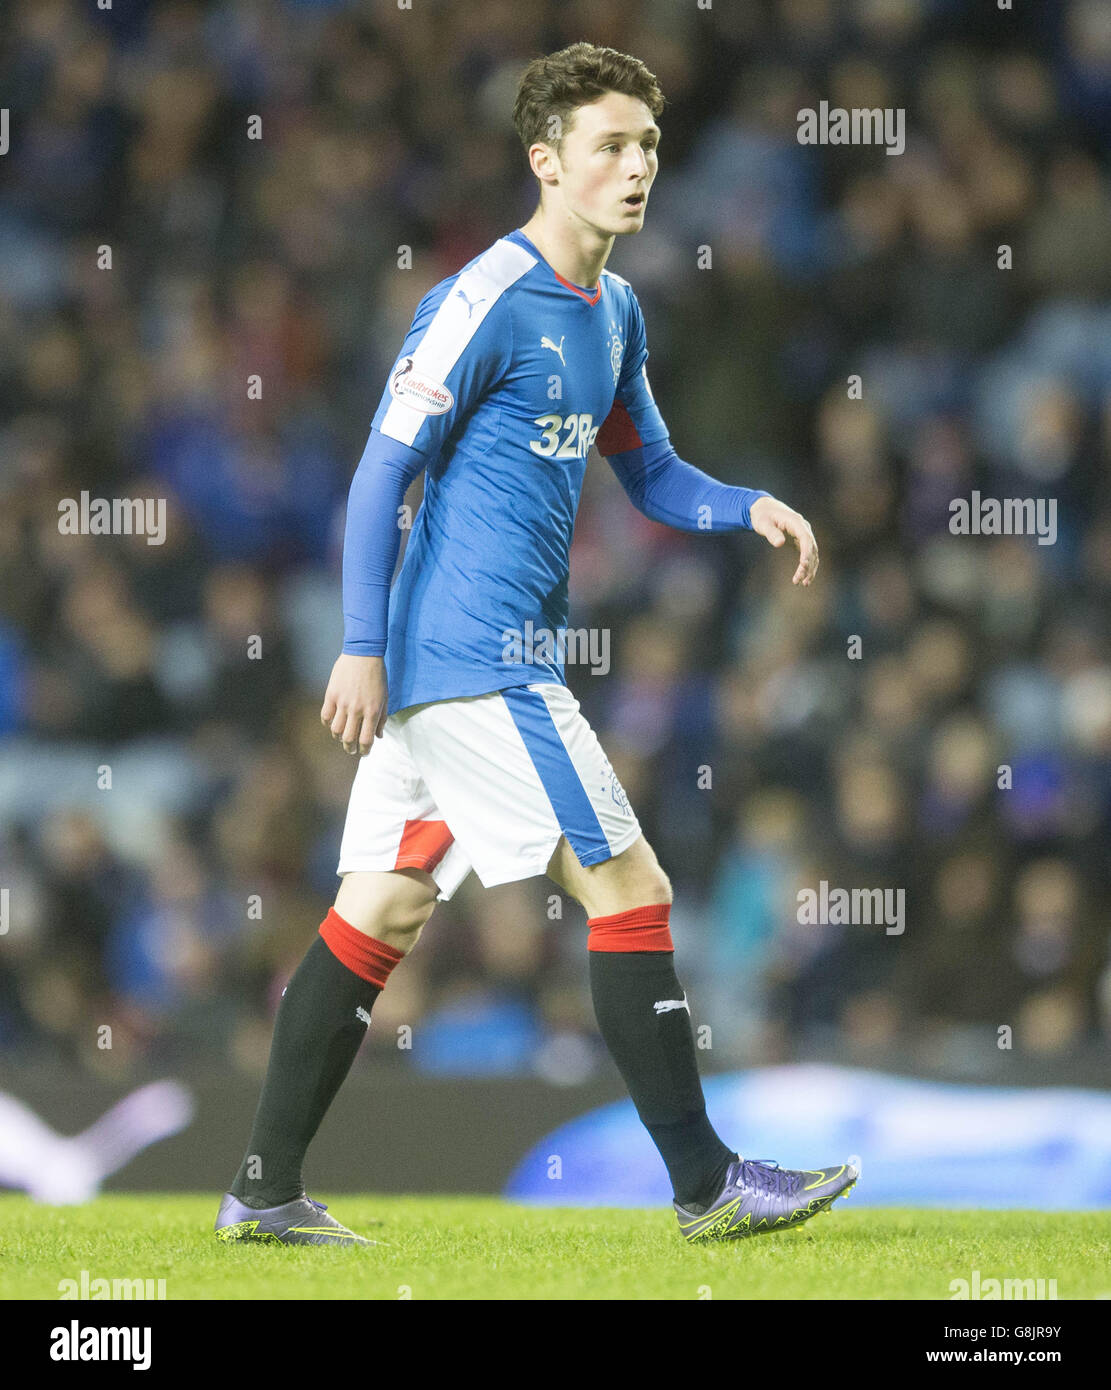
(654, 1049)
(321, 1022)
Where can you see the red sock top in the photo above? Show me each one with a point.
(638, 929)
(370, 959)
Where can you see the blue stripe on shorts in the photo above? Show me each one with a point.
(557, 774)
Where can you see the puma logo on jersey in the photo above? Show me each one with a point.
(470, 306)
(547, 343)
(360, 1012)
(665, 1006)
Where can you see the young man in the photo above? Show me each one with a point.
(511, 370)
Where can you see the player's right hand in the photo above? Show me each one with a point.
(778, 523)
(355, 702)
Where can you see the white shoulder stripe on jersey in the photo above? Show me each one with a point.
(454, 324)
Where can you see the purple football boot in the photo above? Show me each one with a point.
(300, 1222)
(760, 1197)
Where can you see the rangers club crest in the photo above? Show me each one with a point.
(617, 350)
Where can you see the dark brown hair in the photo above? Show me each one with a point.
(559, 83)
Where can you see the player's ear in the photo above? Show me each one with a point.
(544, 162)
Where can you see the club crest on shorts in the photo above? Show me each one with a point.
(617, 791)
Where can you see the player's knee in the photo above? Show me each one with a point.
(648, 882)
(657, 888)
(390, 907)
(400, 923)
(649, 888)
(652, 885)
(410, 919)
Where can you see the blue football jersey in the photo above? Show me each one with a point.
(506, 378)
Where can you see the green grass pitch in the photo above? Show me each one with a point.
(463, 1248)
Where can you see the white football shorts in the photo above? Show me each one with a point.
(485, 782)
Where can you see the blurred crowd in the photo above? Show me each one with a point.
(170, 804)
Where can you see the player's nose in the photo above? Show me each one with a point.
(640, 166)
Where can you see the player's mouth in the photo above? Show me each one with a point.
(634, 202)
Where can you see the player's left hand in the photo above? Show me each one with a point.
(775, 521)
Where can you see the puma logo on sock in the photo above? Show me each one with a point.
(664, 1006)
